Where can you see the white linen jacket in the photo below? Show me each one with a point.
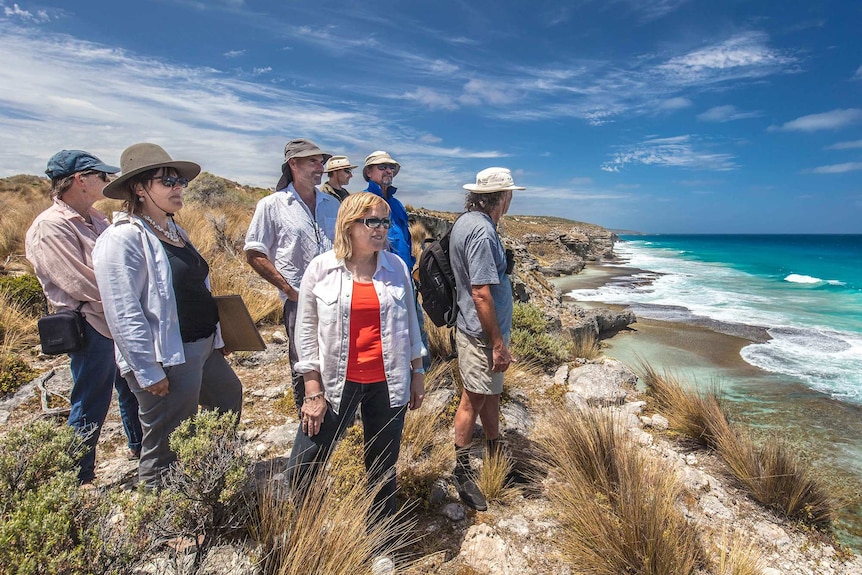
(323, 324)
(136, 285)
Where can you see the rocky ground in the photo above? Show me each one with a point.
(519, 535)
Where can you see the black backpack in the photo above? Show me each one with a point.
(437, 282)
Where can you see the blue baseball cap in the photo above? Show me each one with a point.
(67, 162)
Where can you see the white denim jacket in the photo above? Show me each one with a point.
(135, 282)
(323, 324)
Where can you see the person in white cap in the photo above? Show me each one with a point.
(484, 319)
(340, 171)
(289, 228)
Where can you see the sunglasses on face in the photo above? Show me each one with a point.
(172, 181)
(384, 167)
(374, 223)
(347, 171)
(101, 175)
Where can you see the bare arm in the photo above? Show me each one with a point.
(488, 320)
(266, 269)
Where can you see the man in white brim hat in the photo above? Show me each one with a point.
(481, 267)
(340, 171)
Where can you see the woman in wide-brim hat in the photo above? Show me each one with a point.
(155, 291)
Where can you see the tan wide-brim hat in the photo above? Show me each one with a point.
(139, 158)
(492, 180)
(380, 157)
(338, 163)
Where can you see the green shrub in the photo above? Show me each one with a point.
(47, 524)
(14, 372)
(205, 496)
(532, 341)
(24, 291)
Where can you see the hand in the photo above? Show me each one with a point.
(292, 295)
(417, 391)
(160, 388)
(313, 413)
(502, 358)
(225, 351)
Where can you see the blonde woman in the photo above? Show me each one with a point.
(155, 291)
(359, 343)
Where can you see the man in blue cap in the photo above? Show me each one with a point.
(59, 244)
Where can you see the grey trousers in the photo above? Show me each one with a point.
(205, 379)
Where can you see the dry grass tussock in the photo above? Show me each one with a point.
(327, 533)
(17, 325)
(735, 554)
(494, 478)
(586, 346)
(772, 473)
(19, 209)
(440, 340)
(617, 505)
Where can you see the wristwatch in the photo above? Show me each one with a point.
(419, 370)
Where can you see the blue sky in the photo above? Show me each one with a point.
(666, 116)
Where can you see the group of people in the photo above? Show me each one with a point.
(342, 263)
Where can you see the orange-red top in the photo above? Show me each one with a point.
(365, 358)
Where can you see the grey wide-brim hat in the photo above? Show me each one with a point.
(492, 180)
(299, 148)
(139, 158)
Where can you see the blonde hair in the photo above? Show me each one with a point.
(352, 209)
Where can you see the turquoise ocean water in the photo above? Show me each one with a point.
(799, 298)
(804, 290)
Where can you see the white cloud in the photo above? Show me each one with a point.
(838, 168)
(678, 151)
(235, 128)
(431, 99)
(745, 55)
(16, 11)
(832, 120)
(727, 113)
(858, 74)
(260, 71)
(677, 103)
(846, 145)
(233, 53)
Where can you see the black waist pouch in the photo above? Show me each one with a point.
(62, 332)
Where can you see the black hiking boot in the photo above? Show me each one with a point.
(469, 492)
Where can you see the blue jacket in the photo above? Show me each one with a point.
(399, 234)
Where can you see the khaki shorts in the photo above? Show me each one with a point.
(475, 360)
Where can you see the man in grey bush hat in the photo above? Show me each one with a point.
(289, 228)
(484, 321)
(340, 171)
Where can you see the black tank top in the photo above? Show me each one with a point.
(197, 310)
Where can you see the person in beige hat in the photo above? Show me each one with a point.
(289, 228)
(340, 171)
(481, 267)
(156, 295)
(379, 171)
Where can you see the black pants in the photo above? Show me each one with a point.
(289, 317)
(382, 427)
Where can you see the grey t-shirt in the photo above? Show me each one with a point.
(478, 258)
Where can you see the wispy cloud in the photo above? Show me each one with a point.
(672, 104)
(233, 53)
(38, 17)
(838, 168)
(727, 113)
(832, 120)
(858, 74)
(678, 151)
(846, 145)
(745, 55)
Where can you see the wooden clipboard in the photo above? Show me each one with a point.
(237, 328)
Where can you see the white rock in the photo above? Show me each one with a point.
(278, 336)
(660, 422)
(486, 552)
(453, 511)
(516, 524)
(690, 459)
(562, 374)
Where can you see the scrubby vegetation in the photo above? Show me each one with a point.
(772, 473)
(533, 340)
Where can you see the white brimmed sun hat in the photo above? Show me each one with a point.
(380, 157)
(338, 163)
(492, 180)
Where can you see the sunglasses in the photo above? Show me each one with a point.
(347, 171)
(101, 175)
(172, 181)
(384, 167)
(375, 223)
